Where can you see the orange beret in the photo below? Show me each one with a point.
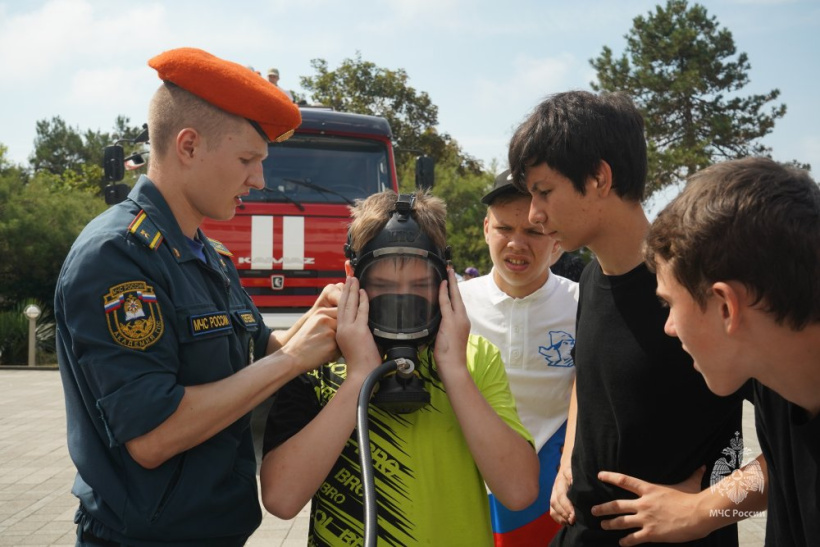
(232, 87)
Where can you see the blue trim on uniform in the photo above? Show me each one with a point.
(198, 248)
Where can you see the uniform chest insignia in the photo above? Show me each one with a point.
(133, 315)
(209, 323)
(219, 247)
(247, 318)
(145, 231)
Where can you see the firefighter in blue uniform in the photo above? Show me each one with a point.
(162, 353)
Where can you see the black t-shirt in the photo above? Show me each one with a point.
(295, 406)
(791, 445)
(643, 410)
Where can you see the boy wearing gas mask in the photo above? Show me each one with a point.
(431, 459)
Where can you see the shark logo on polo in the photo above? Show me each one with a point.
(559, 351)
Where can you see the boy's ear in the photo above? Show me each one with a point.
(602, 179)
(348, 269)
(731, 301)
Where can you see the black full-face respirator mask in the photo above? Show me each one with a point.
(401, 271)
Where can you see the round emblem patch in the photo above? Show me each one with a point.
(133, 316)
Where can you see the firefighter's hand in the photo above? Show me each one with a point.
(353, 333)
(451, 341)
(561, 509)
(326, 303)
(314, 343)
(330, 296)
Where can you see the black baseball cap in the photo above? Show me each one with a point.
(503, 184)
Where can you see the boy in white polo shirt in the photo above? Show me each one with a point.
(530, 315)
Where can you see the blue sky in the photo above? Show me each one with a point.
(484, 64)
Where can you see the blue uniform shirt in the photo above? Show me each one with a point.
(139, 317)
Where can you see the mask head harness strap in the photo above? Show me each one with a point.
(401, 235)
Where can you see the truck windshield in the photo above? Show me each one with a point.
(323, 169)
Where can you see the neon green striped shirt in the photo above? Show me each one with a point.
(429, 489)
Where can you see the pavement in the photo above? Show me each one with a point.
(36, 473)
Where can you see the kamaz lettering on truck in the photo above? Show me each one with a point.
(287, 240)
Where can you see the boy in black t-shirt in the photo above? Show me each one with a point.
(738, 261)
(639, 408)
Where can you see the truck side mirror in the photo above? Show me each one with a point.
(113, 163)
(424, 172)
(115, 193)
(114, 169)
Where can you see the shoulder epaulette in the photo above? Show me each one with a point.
(145, 231)
(219, 247)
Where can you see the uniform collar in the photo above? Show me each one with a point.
(148, 197)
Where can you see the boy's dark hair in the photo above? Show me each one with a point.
(753, 221)
(573, 132)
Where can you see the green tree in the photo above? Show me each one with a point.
(75, 157)
(685, 74)
(9, 170)
(57, 147)
(39, 220)
(361, 87)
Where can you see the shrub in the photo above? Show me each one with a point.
(13, 337)
(14, 334)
